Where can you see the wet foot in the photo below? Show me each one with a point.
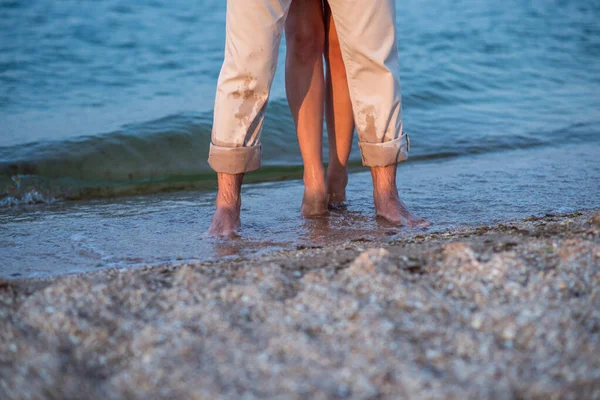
(336, 188)
(314, 203)
(225, 222)
(392, 209)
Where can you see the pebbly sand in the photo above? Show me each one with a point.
(511, 311)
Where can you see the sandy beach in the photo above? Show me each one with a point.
(112, 288)
(506, 311)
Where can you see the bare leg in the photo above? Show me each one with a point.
(226, 219)
(304, 81)
(340, 121)
(253, 34)
(387, 201)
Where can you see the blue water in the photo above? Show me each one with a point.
(111, 98)
(105, 98)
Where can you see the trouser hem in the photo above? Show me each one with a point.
(234, 160)
(386, 153)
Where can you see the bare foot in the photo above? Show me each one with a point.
(225, 222)
(336, 188)
(392, 209)
(387, 201)
(314, 203)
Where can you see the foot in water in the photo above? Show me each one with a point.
(336, 188)
(387, 201)
(314, 203)
(389, 207)
(225, 222)
(226, 219)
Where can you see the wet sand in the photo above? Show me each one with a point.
(509, 311)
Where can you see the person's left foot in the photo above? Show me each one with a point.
(314, 204)
(336, 188)
(392, 209)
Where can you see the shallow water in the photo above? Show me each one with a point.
(169, 228)
(105, 99)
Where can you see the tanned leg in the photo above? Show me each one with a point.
(305, 89)
(387, 201)
(226, 219)
(340, 121)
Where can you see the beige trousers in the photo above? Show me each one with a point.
(367, 37)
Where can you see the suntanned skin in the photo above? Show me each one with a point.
(339, 118)
(387, 200)
(226, 219)
(305, 89)
(388, 205)
(309, 35)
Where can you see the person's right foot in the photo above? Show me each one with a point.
(225, 222)
(391, 208)
(387, 201)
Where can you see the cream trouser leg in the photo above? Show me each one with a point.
(368, 39)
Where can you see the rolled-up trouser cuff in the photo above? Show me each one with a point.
(386, 153)
(234, 160)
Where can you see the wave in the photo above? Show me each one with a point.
(170, 154)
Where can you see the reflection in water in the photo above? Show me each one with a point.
(315, 230)
(235, 247)
(227, 247)
(344, 224)
(336, 226)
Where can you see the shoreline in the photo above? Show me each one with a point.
(162, 228)
(510, 310)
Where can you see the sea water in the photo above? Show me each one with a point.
(106, 114)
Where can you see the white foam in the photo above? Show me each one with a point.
(30, 197)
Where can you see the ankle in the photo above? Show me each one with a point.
(314, 184)
(314, 194)
(385, 193)
(337, 171)
(229, 191)
(384, 182)
(227, 202)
